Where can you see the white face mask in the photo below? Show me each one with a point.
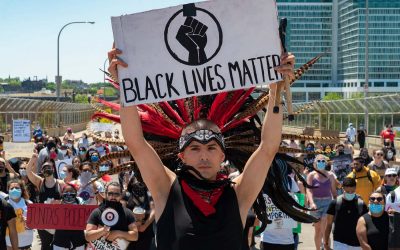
(85, 177)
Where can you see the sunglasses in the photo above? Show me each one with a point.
(379, 154)
(392, 175)
(378, 199)
(321, 161)
(113, 194)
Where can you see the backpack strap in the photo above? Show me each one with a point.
(369, 176)
(339, 202)
(360, 205)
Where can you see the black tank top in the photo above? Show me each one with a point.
(182, 226)
(53, 192)
(377, 231)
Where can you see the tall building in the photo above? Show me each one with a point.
(337, 28)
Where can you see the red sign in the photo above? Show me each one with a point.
(58, 216)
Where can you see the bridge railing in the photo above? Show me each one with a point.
(50, 115)
(336, 115)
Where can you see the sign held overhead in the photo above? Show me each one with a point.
(197, 49)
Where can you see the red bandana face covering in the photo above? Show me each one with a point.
(204, 200)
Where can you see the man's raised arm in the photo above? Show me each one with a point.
(250, 182)
(157, 177)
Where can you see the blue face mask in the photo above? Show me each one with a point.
(62, 175)
(94, 158)
(15, 193)
(321, 165)
(310, 149)
(376, 208)
(349, 197)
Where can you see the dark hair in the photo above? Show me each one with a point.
(310, 144)
(114, 184)
(349, 182)
(199, 125)
(84, 164)
(21, 183)
(74, 171)
(380, 193)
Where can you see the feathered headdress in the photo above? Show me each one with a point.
(235, 113)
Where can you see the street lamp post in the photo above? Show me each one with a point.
(366, 85)
(58, 77)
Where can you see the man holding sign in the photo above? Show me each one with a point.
(198, 208)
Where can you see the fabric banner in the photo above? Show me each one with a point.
(197, 49)
(58, 216)
(119, 244)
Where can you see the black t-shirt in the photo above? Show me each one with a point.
(346, 221)
(251, 217)
(6, 213)
(125, 219)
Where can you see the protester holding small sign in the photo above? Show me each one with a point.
(92, 194)
(111, 221)
(19, 199)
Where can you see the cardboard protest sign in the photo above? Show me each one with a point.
(62, 163)
(101, 127)
(13, 149)
(341, 166)
(279, 219)
(21, 131)
(197, 49)
(58, 216)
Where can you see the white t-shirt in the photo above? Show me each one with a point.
(280, 231)
(25, 236)
(396, 204)
(351, 134)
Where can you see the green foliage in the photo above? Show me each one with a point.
(51, 86)
(357, 95)
(12, 81)
(81, 98)
(332, 96)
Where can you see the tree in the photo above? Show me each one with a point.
(332, 96)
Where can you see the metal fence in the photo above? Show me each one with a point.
(336, 115)
(48, 114)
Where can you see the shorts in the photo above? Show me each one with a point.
(341, 246)
(322, 207)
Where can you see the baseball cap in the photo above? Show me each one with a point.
(390, 171)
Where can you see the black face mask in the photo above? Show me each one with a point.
(138, 189)
(341, 152)
(51, 145)
(112, 204)
(48, 172)
(69, 197)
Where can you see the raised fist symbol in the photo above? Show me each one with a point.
(192, 36)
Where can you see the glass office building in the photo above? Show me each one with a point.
(338, 27)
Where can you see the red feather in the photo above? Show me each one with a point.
(227, 115)
(114, 106)
(171, 113)
(234, 124)
(196, 108)
(114, 118)
(113, 83)
(181, 106)
(215, 109)
(153, 122)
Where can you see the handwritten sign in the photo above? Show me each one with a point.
(18, 149)
(58, 216)
(279, 219)
(21, 130)
(197, 49)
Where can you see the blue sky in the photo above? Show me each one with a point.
(29, 30)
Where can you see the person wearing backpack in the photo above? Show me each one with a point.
(367, 180)
(393, 209)
(344, 212)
